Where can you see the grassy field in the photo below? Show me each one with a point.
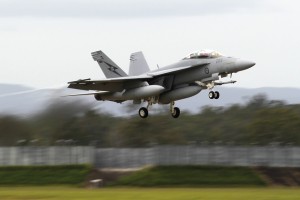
(68, 193)
(44, 175)
(205, 176)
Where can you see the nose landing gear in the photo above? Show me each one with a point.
(214, 95)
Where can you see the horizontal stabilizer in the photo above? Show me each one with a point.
(85, 94)
(112, 84)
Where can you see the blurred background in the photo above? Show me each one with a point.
(254, 125)
(236, 130)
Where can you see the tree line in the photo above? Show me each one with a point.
(259, 121)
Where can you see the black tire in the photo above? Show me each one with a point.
(217, 95)
(211, 95)
(176, 112)
(143, 112)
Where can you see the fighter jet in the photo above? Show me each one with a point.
(197, 71)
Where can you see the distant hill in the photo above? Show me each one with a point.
(23, 101)
(234, 95)
(10, 88)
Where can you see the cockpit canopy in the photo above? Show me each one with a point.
(203, 54)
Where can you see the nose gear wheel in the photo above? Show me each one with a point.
(214, 95)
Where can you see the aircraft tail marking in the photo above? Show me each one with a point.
(109, 68)
(138, 64)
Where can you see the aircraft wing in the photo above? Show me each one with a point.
(119, 84)
(84, 94)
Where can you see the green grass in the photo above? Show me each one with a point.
(207, 176)
(43, 175)
(68, 193)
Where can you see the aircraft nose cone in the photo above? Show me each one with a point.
(244, 64)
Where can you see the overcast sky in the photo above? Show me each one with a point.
(46, 43)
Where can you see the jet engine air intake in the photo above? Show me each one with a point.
(98, 97)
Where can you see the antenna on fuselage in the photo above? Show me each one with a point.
(157, 66)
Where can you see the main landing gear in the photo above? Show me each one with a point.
(214, 95)
(175, 111)
(143, 112)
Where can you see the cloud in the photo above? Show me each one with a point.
(123, 9)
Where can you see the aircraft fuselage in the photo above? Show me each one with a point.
(180, 80)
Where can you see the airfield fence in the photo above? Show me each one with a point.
(275, 156)
(39, 155)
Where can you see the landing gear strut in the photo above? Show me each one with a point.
(214, 95)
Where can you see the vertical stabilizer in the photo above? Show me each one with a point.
(138, 64)
(109, 68)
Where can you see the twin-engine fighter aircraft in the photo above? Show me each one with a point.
(185, 78)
